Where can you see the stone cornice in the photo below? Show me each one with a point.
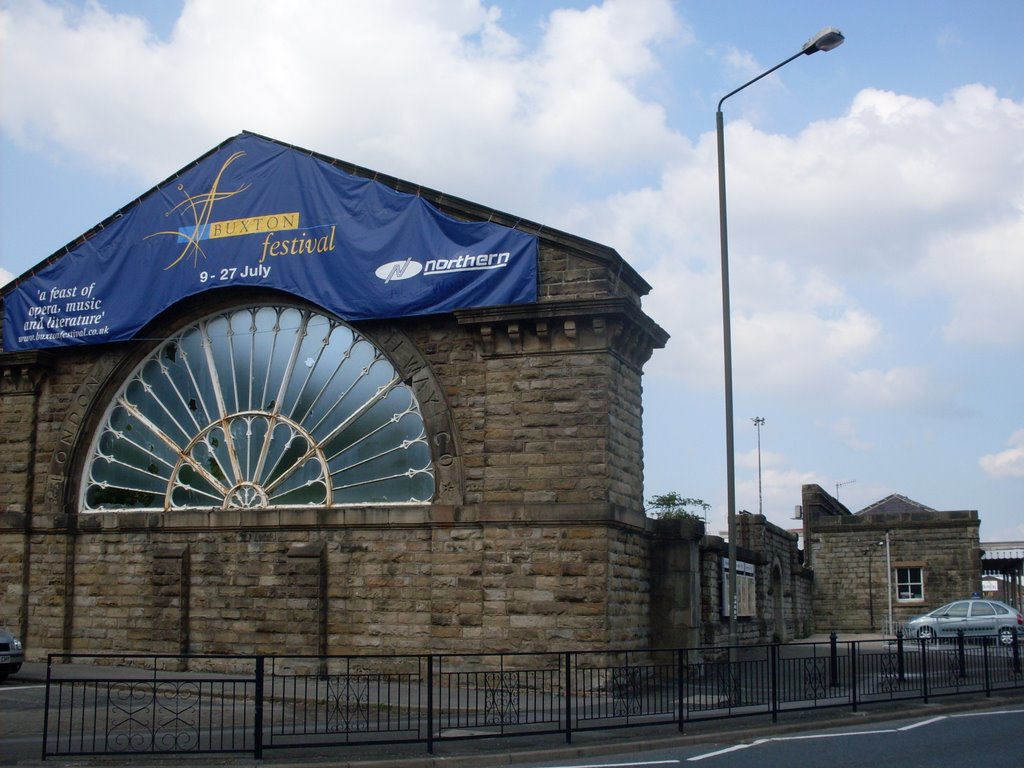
(589, 325)
(410, 516)
(21, 372)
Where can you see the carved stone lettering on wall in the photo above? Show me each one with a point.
(70, 431)
(434, 407)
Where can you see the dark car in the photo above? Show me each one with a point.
(11, 654)
(975, 617)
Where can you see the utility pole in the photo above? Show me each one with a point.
(758, 421)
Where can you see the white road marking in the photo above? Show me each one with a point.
(997, 712)
(725, 751)
(905, 728)
(621, 765)
(829, 735)
(912, 726)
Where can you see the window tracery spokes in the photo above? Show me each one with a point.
(261, 407)
(251, 461)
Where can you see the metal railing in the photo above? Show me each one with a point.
(137, 704)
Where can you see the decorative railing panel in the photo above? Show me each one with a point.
(160, 712)
(192, 704)
(480, 695)
(342, 700)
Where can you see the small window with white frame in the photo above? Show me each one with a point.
(909, 583)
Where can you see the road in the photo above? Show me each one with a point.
(990, 739)
(939, 735)
(21, 721)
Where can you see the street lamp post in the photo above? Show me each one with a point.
(825, 40)
(888, 581)
(758, 421)
(870, 551)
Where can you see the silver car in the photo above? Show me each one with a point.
(975, 617)
(11, 654)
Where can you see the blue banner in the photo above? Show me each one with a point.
(258, 213)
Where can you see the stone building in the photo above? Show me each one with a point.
(689, 585)
(774, 588)
(784, 591)
(920, 556)
(1002, 565)
(211, 450)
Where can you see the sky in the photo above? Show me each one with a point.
(875, 193)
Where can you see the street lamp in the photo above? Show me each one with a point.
(825, 40)
(870, 551)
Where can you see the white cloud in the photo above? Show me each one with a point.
(1007, 463)
(888, 389)
(582, 87)
(869, 190)
(847, 431)
(832, 232)
(981, 270)
(778, 482)
(794, 334)
(742, 64)
(436, 92)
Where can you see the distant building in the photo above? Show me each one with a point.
(1002, 567)
(894, 559)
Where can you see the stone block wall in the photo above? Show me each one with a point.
(803, 603)
(848, 555)
(851, 579)
(783, 587)
(340, 588)
(23, 378)
(676, 582)
(714, 624)
(534, 416)
(536, 538)
(783, 584)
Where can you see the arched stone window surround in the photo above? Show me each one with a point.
(99, 385)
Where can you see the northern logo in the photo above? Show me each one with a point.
(403, 270)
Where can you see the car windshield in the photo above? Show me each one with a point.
(952, 611)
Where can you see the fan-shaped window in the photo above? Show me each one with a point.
(260, 407)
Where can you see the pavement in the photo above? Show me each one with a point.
(545, 749)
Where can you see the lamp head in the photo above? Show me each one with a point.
(826, 40)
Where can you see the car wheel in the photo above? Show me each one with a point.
(1006, 635)
(926, 633)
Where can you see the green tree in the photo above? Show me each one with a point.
(672, 506)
